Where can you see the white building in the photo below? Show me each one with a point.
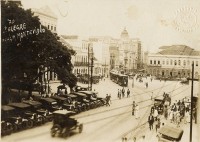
(80, 60)
(47, 18)
(174, 61)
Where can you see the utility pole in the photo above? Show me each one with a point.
(88, 66)
(91, 79)
(198, 108)
(191, 107)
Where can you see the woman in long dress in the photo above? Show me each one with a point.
(137, 111)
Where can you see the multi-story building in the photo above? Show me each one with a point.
(48, 19)
(80, 60)
(130, 53)
(174, 61)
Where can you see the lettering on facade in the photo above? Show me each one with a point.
(16, 32)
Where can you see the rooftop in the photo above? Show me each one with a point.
(178, 50)
(45, 11)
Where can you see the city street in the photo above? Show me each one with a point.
(111, 123)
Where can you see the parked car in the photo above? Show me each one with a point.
(24, 110)
(93, 96)
(6, 128)
(184, 81)
(49, 104)
(79, 88)
(37, 108)
(9, 114)
(87, 104)
(64, 102)
(76, 105)
(64, 123)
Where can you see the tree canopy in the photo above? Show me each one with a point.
(27, 45)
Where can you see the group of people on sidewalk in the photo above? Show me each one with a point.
(121, 93)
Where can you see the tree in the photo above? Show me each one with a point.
(28, 46)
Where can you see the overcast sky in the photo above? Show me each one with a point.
(154, 22)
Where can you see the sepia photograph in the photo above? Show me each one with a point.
(100, 70)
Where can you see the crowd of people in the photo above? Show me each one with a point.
(177, 113)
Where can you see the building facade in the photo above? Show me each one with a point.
(49, 20)
(130, 53)
(174, 61)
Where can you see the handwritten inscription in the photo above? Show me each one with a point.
(15, 32)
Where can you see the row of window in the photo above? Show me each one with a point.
(174, 62)
(49, 26)
(81, 59)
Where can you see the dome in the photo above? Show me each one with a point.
(124, 34)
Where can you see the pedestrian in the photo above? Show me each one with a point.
(107, 100)
(165, 112)
(150, 121)
(155, 114)
(123, 92)
(128, 93)
(157, 124)
(151, 95)
(137, 111)
(110, 98)
(133, 108)
(146, 84)
(120, 94)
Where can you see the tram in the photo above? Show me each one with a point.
(120, 79)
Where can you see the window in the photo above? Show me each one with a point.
(48, 27)
(150, 61)
(188, 62)
(184, 62)
(171, 62)
(175, 62)
(167, 62)
(196, 63)
(158, 62)
(154, 61)
(163, 62)
(51, 27)
(54, 28)
(179, 62)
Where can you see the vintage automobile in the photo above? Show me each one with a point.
(184, 81)
(159, 105)
(169, 134)
(8, 114)
(79, 88)
(6, 128)
(93, 96)
(49, 104)
(24, 110)
(87, 104)
(64, 123)
(64, 102)
(76, 105)
(37, 108)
